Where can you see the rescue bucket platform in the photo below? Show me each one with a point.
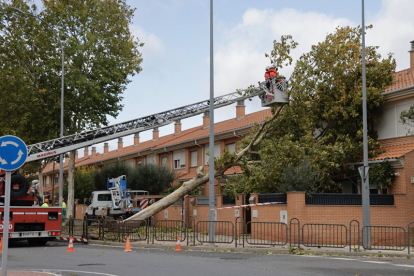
(276, 95)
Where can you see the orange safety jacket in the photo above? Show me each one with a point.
(267, 75)
(273, 73)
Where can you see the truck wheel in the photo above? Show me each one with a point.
(19, 186)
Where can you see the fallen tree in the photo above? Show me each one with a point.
(223, 164)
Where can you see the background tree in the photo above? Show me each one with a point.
(83, 188)
(152, 178)
(323, 122)
(29, 78)
(100, 55)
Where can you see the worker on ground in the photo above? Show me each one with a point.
(63, 211)
(46, 203)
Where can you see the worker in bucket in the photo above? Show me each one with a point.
(46, 203)
(267, 77)
(63, 211)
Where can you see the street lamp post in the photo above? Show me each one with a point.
(61, 96)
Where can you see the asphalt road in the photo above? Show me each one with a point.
(108, 261)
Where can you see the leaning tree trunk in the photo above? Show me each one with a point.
(201, 178)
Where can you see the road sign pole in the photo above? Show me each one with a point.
(6, 215)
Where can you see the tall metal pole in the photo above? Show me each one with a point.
(6, 220)
(53, 184)
(211, 163)
(61, 128)
(366, 221)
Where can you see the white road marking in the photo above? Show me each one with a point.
(75, 271)
(362, 261)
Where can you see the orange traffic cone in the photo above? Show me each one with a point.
(70, 247)
(178, 246)
(128, 246)
(1, 244)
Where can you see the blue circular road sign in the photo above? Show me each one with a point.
(13, 153)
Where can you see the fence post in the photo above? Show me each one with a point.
(412, 222)
(242, 231)
(350, 233)
(290, 231)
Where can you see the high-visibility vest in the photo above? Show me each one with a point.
(45, 205)
(267, 75)
(272, 72)
(63, 205)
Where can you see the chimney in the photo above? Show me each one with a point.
(240, 109)
(120, 143)
(177, 126)
(106, 147)
(155, 134)
(412, 56)
(206, 119)
(136, 139)
(86, 152)
(93, 150)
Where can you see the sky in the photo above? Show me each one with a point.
(176, 54)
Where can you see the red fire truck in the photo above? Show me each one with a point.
(29, 221)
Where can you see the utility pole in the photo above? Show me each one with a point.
(364, 171)
(211, 216)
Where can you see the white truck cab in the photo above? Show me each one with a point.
(117, 201)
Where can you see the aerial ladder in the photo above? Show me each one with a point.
(90, 137)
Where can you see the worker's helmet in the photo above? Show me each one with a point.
(46, 200)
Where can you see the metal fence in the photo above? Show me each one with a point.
(169, 230)
(267, 233)
(261, 233)
(324, 235)
(224, 232)
(135, 230)
(385, 237)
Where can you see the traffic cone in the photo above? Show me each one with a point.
(70, 247)
(178, 246)
(128, 246)
(1, 244)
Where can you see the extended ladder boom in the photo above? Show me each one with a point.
(90, 137)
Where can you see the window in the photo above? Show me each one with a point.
(57, 179)
(129, 162)
(231, 147)
(216, 152)
(47, 181)
(139, 163)
(104, 197)
(194, 158)
(151, 159)
(164, 161)
(179, 159)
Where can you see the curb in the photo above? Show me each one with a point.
(259, 250)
